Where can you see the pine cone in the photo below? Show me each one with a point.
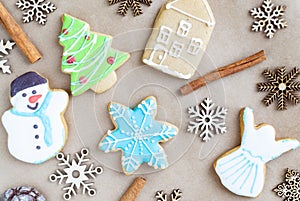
(22, 193)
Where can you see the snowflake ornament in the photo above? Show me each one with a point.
(176, 195)
(134, 4)
(281, 86)
(268, 18)
(207, 119)
(35, 9)
(138, 135)
(76, 174)
(290, 189)
(4, 51)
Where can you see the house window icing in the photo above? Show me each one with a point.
(195, 46)
(164, 35)
(184, 28)
(176, 49)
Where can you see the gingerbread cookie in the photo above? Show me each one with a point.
(88, 57)
(242, 169)
(35, 124)
(180, 35)
(137, 135)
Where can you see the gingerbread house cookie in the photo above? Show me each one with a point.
(180, 35)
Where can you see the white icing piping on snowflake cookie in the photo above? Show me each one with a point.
(138, 135)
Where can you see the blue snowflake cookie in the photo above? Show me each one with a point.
(137, 135)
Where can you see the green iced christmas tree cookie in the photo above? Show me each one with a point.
(88, 57)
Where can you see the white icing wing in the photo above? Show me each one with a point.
(283, 146)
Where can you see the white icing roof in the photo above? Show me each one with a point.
(194, 12)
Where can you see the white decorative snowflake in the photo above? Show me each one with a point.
(176, 195)
(4, 51)
(138, 135)
(37, 9)
(268, 18)
(76, 173)
(207, 119)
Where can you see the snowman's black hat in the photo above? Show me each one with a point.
(25, 81)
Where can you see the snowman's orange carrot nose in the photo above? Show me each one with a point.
(33, 99)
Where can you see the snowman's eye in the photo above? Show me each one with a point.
(34, 92)
(24, 94)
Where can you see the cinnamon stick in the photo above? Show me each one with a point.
(18, 35)
(223, 72)
(134, 190)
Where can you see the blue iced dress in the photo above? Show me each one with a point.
(242, 170)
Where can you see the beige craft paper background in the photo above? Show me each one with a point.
(88, 118)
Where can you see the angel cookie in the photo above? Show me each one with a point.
(242, 169)
(88, 57)
(35, 124)
(137, 135)
(180, 35)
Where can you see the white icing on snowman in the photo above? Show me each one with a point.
(35, 125)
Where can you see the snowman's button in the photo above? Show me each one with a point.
(36, 136)
(35, 126)
(38, 147)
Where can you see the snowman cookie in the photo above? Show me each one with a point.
(35, 124)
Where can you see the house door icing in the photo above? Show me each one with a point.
(158, 55)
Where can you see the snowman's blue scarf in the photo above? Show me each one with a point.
(41, 114)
